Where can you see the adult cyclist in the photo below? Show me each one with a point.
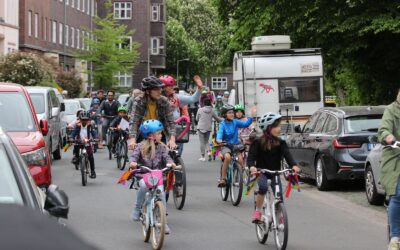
(109, 110)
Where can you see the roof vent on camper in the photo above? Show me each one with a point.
(271, 43)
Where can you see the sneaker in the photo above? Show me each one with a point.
(167, 229)
(93, 175)
(394, 243)
(202, 159)
(75, 160)
(256, 218)
(136, 214)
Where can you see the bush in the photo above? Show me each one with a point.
(71, 82)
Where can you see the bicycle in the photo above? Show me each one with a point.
(176, 179)
(274, 216)
(234, 182)
(121, 150)
(153, 212)
(108, 134)
(84, 159)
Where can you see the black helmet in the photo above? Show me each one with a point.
(151, 82)
(84, 115)
(226, 108)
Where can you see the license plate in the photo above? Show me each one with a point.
(371, 146)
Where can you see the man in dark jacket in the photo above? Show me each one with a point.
(109, 110)
(152, 105)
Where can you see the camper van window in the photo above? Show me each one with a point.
(299, 90)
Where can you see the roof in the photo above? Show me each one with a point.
(71, 100)
(38, 89)
(11, 87)
(347, 111)
(305, 51)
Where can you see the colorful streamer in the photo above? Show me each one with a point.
(66, 147)
(125, 176)
(250, 185)
(293, 181)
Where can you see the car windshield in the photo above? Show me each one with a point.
(365, 123)
(122, 98)
(87, 103)
(9, 191)
(71, 108)
(16, 116)
(38, 102)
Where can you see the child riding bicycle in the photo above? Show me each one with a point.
(117, 129)
(244, 133)
(228, 132)
(266, 153)
(152, 153)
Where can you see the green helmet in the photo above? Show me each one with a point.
(123, 109)
(226, 108)
(239, 107)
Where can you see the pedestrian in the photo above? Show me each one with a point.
(225, 98)
(204, 117)
(388, 133)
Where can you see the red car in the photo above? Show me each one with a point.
(18, 119)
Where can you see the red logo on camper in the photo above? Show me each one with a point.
(266, 88)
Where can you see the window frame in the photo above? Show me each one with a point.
(66, 35)
(322, 119)
(157, 47)
(304, 79)
(60, 33)
(311, 120)
(120, 75)
(331, 117)
(30, 23)
(72, 37)
(157, 12)
(78, 38)
(54, 31)
(119, 9)
(219, 79)
(36, 24)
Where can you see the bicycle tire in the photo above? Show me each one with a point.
(145, 226)
(179, 201)
(224, 190)
(280, 213)
(83, 168)
(124, 154)
(158, 240)
(119, 156)
(236, 183)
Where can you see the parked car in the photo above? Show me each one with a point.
(19, 121)
(123, 99)
(48, 107)
(333, 144)
(86, 102)
(18, 187)
(373, 189)
(71, 107)
(62, 114)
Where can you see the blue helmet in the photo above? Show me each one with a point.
(149, 127)
(96, 101)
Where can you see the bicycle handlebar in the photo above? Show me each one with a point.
(187, 128)
(395, 144)
(169, 166)
(274, 171)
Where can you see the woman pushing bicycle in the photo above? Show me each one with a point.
(152, 153)
(266, 153)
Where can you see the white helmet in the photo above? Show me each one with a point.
(226, 93)
(268, 119)
(64, 92)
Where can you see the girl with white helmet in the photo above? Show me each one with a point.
(266, 153)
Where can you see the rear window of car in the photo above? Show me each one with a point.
(9, 190)
(15, 113)
(364, 123)
(71, 108)
(38, 102)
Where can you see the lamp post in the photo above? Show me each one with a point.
(177, 68)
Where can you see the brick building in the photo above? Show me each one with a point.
(221, 83)
(9, 38)
(55, 28)
(147, 19)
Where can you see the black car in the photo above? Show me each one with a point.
(18, 187)
(334, 143)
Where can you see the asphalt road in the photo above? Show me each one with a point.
(317, 220)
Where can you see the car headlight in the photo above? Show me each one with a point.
(36, 158)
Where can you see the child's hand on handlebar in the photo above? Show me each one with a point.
(253, 170)
(133, 165)
(296, 169)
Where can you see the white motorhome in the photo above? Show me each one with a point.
(277, 78)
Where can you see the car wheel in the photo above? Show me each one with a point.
(57, 153)
(320, 175)
(370, 188)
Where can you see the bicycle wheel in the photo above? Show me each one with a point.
(262, 230)
(236, 184)
(179, 189)
(118, 149)
(145, 225)
(158, 228)
(224, 190)
(124, 153)
(282, 227)
(83, 167)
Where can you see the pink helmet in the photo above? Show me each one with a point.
(168, 80)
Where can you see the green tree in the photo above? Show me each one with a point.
(109, 49)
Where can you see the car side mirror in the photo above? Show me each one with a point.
(56, 202)
(297, 129)
(55, 112)
(373, 139)
(62, 107)
(44, 127)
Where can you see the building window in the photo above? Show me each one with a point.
(83, 40)
(155, 45)
(219, 83)
(73, 3)
(83, 5)
(88, 38)
(45, 29)
(54, 32)
(155, 13)
(29, 23)
(78, 38)
(126, 43)
(88, 7)
(122, 10)
(78, 5)
(67, 2)
(92, 7)
(60, 31)
(72, 37)
(124, 79)
(36, 25)
(66, 37)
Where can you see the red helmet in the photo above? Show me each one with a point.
(168, 80)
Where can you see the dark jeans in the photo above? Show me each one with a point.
(89, 151)
(394, 213)
(116, 134)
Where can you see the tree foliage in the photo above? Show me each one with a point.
(71, 82)
(359, 39)
(108, 49)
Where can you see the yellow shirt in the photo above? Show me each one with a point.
(151, 111)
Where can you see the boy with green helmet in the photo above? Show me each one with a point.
(119, 125)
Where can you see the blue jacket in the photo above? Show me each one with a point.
(228, 130)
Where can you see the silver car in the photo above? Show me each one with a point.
(48, 107)
(373, 189)
(71, 108)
